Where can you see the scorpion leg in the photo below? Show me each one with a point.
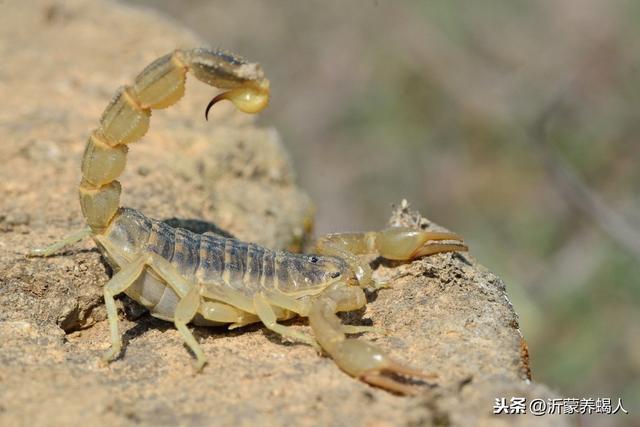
(190, 303)
(302, 308)
(67, 241)
(219, 312)
(118, 284)
(185, 310)
(265, 311)
(357, 358)
(278, 299)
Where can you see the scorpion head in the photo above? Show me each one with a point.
(320, 270)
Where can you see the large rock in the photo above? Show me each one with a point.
(62, 62)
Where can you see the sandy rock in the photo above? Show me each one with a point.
(444, 313)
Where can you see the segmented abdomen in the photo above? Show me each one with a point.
(244, 267)
(205, 258)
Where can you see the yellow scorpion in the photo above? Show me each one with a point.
(209, 279)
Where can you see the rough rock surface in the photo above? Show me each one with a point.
(63, 61)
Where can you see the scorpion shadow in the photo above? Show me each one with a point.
(144, 323)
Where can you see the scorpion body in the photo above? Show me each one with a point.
(236, 270)
(209, 279)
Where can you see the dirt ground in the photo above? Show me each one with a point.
(443, 314)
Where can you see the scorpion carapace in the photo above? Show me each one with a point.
(209, 279)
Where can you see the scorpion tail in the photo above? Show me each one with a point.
(126, 118)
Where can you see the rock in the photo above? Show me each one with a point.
(64, 60)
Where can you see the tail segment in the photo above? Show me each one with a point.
(126, 118)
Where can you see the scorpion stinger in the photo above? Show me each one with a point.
(210, 279)
(250, 99)
(211, 103)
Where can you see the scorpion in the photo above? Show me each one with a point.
(210, 279)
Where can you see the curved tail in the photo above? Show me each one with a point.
(126, 118)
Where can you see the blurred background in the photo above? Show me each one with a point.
(514, 123)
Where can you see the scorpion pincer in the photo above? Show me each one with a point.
(208, 279)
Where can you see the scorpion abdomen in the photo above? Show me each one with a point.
(243, 267)
(209, 259)
(216, 262)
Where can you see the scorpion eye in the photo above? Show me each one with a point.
(313, 259)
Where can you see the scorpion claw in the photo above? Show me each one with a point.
(377, 377)
(387, 383)
(366, 362)
(398, 368)
(402, 243)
